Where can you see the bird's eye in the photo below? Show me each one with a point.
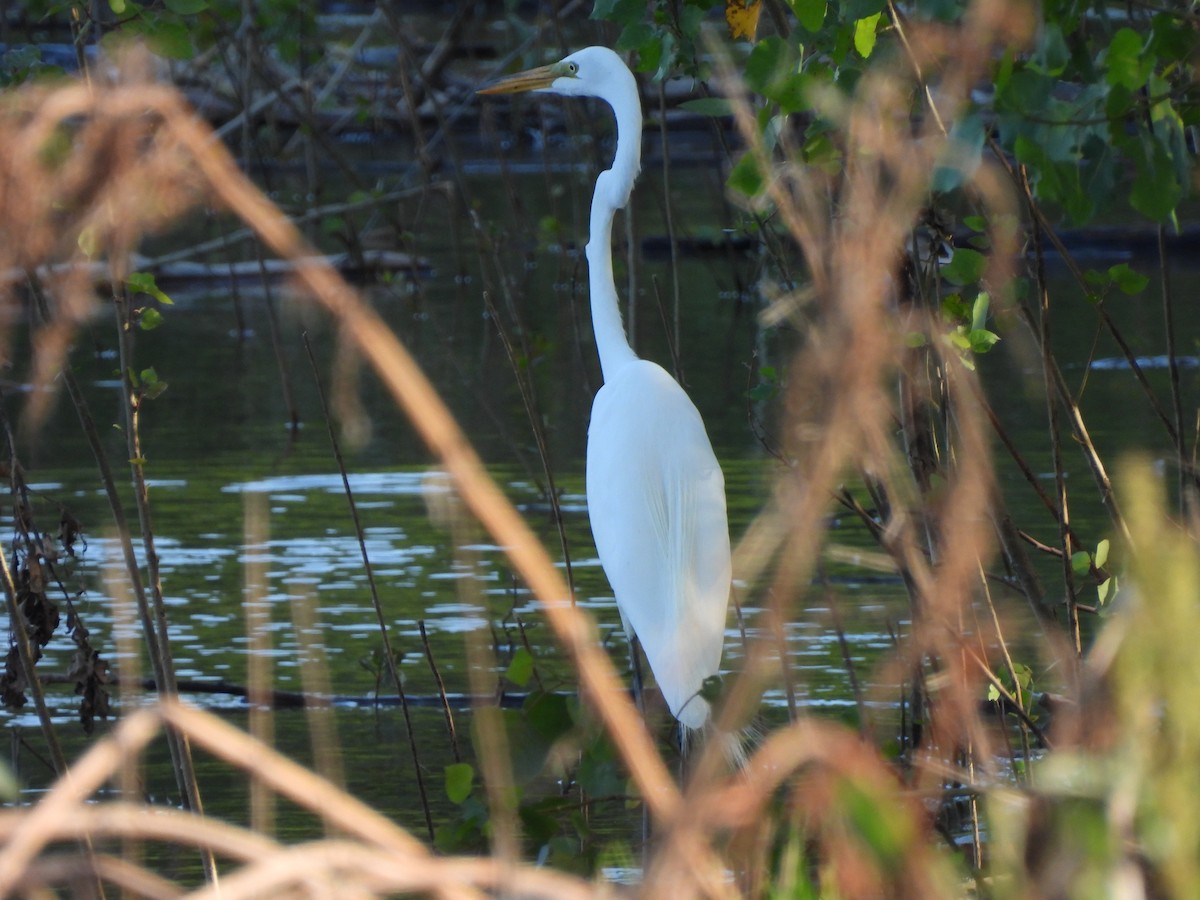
(573, 68)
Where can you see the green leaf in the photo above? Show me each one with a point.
(1052, 52)
(979, 311)
(1125, 278)
(768, 386)
(172, 40)
(746, 178)
(954, 308)
(708, 106)
(1102, 553)
(117, 6)
(1168, 41)
(822, 153)
(149, 319)
(1026, 92)
(466, 834)
(155, 390)
(768, 61)
(143, 283)
(853, 10)
(623, 12)
(1127, 64)
(711, 688)
(634, 36)
(1156, 189)
(660, 55)
(982, 340)
(148, 382)
(1024, 676)
(1081, 562)
(962, 155)
(865, 34)
(941, 10)
(809, 13)
(791, 93)
(965, 266)
(1106, 590)
(600, 777)
(1118, 103)
(460, 778)
(958, 339)
(548, 714)
(520, 670)
(650, 57)
(690, 19)
(538, 822)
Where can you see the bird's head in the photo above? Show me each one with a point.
(591, 72)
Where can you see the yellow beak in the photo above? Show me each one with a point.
(529, 80)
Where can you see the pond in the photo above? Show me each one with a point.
(218, 442)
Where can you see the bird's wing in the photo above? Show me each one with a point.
(656, 500)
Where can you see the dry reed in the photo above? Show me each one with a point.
(99, 166)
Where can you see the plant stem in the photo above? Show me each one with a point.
(389, 657)
(529, 399)
(156, 610)
(677, 335)
(1051, 389)
(1173, 367)
(441, 686)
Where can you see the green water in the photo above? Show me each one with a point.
(218, 438)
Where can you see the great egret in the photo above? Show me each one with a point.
(656, 495)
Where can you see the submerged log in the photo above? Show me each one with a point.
(354, 266)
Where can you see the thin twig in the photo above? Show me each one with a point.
(1173, 368)
(1055, 444)
(441, 686)
(381, 620)
(532, 411)
(675, 331)
(132, 397)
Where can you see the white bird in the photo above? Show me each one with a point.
(655, 492)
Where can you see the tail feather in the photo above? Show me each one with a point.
(734, 745)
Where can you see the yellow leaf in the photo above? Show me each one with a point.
(742, 16)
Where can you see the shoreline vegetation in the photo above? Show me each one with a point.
(904, 179)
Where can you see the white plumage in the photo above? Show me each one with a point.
(656, 495)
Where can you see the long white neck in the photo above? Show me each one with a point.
(613, 188)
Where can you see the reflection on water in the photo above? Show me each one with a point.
(420, 575)
(295, 486)
(1144, 362)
